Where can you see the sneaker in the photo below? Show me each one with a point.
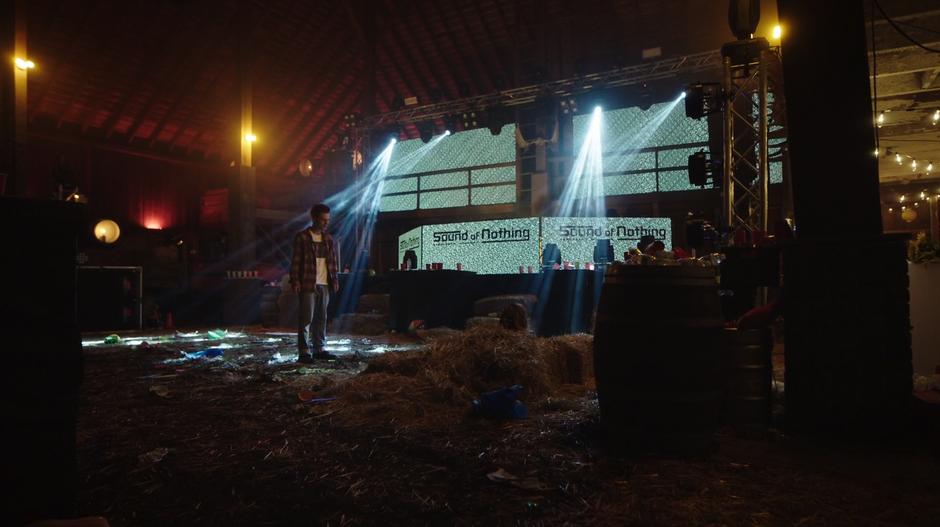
(305, 358)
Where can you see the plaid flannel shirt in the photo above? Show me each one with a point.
(303, 265)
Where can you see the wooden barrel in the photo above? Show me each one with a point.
(748, 399)
(657, 360)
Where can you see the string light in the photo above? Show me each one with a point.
(881, 119)
(935, 118)
(902, 198)
(926, 166)
(877, 153)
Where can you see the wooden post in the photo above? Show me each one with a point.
(848, 341)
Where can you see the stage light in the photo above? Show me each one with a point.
(446, 132)
(597, 110)
(777, 32)
(250, 137)
(107, 231)
(468, 120)
(426, 131)
(393, 141)
(23, 64)
(497, 116)
(569, 105)
(701, 99)
(305, 168)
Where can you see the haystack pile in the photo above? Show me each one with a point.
(454, 368)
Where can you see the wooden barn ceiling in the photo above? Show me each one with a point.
(163, 76)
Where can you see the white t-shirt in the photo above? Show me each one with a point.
(322, 273)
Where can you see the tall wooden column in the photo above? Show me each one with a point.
(242, 296)
(848, 348)
(13, 98)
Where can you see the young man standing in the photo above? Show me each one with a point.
(313, 277)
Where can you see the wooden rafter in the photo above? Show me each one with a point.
(323, 125)
(64, 57)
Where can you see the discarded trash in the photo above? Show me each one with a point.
(277, 358)
(501, 404)
(500, 475)
(308, 396)
(204, 354)
(154, 456)
(159, 389)
(112, 339)
(217, 334)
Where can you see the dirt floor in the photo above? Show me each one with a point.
(241, 435)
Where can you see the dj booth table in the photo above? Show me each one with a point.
(566, 298)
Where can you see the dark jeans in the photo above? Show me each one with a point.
(311, 327)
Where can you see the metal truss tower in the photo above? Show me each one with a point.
(748, 86)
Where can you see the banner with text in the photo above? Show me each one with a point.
(486, 247)
(576, 237)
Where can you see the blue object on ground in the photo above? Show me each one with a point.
(204, 354)
(501, 404)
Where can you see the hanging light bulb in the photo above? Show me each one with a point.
(913, 165)
(922, 194)
(876, 153)
(929, 167)
(935, 118)
(897, 157)
(881, 119)
(902, 198)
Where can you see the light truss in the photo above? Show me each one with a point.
(625, 76)
(746, 149)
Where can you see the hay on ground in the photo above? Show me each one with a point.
(456, 367)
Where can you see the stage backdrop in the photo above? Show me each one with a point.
(576, 237)
(501, 246)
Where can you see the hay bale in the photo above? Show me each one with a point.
(496, 304)
(490, 322)
(514, 318)
(374, 303)
(574, 357)
(407, 363)
(457, 366)
(484, 359)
